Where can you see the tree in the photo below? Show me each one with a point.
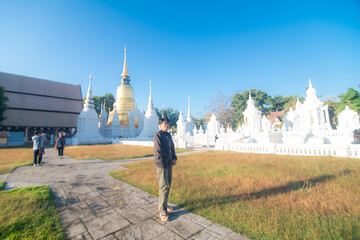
(109, 102)
(333, 108)
(3, 105)
(199, 122)
(277, 103)
(221, 106)
(280, 103)
(239, 104)
(350, 98)
(290, 101)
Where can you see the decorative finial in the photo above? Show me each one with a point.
(89, 102)
(125, 72)
(188, 118)
(150, 98)
(310, 85)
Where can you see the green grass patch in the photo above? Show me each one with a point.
(2, 185)
(263, 196)
(29, 213)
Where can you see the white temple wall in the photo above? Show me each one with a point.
(351, 150)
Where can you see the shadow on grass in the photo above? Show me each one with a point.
(303, 185)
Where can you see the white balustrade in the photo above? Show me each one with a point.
(352, 150)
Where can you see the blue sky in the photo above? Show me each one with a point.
(187, 48)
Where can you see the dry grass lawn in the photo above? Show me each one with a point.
(110, 152)
(10, 158)
(264, 196)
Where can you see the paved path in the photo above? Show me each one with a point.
(94, 205)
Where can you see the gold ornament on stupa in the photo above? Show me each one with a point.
(124, 101)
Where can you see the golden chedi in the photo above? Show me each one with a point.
(124, 102)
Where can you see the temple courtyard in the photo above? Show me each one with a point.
(215, 194)
(94, 205)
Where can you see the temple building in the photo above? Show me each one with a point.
(37, 104)
(252, 117)
(313, 114)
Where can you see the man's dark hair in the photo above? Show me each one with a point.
(36, 132)
(163, 119)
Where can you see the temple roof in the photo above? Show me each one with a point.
(36, 102)
(276, 114)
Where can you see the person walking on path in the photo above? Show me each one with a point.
(36, 147)
(165, 158)
(60, 145)
(42, 140)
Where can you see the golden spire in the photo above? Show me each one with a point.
(125, 72)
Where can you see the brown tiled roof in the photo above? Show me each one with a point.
(35, 102)
(277, 114)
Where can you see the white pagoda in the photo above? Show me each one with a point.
(88, 122)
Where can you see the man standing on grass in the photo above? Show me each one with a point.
(165, 158)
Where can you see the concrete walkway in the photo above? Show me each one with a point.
(94, 205)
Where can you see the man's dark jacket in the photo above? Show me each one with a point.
(163, 153)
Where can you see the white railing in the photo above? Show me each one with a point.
(352, 150)
(136, 143)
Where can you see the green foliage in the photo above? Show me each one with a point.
(199, 122)
(29, 213)
(239, 103)
(3, 106)
(263, 101)
(350, 98)
(333, 108)
(109, 102)
(171, 114)
(2, 185)
(280, 103)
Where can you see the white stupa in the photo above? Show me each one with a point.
(151, 121)
(252, 117)
(213, 126)
(348, 120)
(313, 114)
(88, 123)
(189, 122)
(102, 118)
(181, 126)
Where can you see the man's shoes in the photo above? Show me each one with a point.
(34, 165)
(169, 209)
(164, 217)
